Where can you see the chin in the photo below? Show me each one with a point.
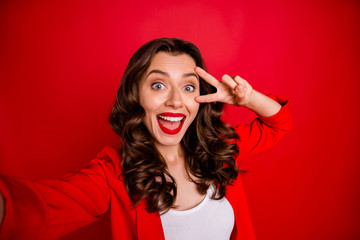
(169, 141)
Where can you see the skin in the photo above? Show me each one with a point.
(237, 91)
(170, 84)
(175, 73)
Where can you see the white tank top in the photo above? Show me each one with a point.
(211, 219)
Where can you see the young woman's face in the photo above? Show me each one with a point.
(167, 92)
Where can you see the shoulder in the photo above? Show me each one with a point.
(109, 153)
(107, 159)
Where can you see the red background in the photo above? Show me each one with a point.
(61, 62)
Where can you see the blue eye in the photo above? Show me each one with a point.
(157, 86)
(189, 88)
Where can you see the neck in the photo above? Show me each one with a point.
(172, 154)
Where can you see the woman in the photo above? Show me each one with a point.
(175, 175)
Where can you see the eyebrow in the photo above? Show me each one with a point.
(167, 74)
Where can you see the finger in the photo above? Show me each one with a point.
(240, 81)
(207, 98)
(206, 76)
(240, 91)
(228, 81)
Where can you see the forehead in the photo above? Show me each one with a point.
(164, 60)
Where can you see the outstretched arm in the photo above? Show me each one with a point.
(237, 91)
(49, 209)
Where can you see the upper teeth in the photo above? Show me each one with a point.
(171, 119)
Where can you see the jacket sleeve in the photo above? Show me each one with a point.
(264, 132)
(49, 209)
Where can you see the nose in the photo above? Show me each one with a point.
(174, 99)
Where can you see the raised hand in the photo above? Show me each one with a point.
(237, 91)
(232, 90)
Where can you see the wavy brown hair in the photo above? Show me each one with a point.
(208, 143)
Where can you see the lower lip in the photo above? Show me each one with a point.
(169, 131)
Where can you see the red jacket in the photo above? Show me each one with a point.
(49, 209)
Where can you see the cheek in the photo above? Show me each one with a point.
(147, 102)
(151, 105)
(194, 108)
(148, 114)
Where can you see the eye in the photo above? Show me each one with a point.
(189, 88)
(157, 86)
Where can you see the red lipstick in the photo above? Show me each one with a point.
(173, 115)
(170, 114)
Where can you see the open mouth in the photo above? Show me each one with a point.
(171, 123)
